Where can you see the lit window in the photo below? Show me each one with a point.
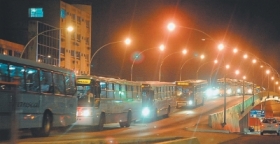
(36, 12)
(62, 13)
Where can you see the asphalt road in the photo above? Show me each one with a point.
(173, 127)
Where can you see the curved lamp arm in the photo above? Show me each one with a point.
(183, 66)
(101, 48)
(134, 61)
(35, 37)
(159, 76)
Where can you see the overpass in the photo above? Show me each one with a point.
(236, 120)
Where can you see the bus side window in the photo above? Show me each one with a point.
(59, 87)
(46, 82)
(3, 72)
(32, 79)
(70, 84)
(17, 72)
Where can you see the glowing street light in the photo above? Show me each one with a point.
(221, 47)
(237, 72)
(69, 29)
(161, 48)
(171, 26)
(235, 50)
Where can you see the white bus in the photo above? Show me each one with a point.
(46, 95)
(191, 93)
(104, 100)
(158, 99)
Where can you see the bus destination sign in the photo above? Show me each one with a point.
(83, 81)
(182, 83)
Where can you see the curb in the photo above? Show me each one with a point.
(112, 141)
(191, 140)
(207, 130)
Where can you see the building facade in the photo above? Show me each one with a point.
(10, 48)
(41, 26)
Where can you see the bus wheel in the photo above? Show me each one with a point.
(129, 118)
(45, 130)
(168, 111)
(101, 121)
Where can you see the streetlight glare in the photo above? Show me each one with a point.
(235, 50)
(162, 47)
(221, 46)
(245, 56)
(227, 66)
(171, 26)
(70, 28)
(254, 61)
(244, 77)
(202, 56)
(237, 72)
(184, 51)
(267, 71)
(127, 41)
(215, 61)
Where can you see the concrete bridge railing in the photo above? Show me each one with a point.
(234, 114)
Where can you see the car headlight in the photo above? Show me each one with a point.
(145, 111)
(86, 113)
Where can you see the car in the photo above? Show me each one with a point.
(269, 125)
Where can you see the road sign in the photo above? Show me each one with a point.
(257, 113)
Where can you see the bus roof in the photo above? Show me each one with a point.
(106, 79)
(31, 63)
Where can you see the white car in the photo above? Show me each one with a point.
(269, 125)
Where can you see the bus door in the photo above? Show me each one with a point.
(96, 90)
(147, 98)
(147, 102)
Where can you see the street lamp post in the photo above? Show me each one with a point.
(126, 41)
(159, 75)
(243, 94)
(225, 95)
(253, 92)
(131, 69)
(267, 72)
(70, 28)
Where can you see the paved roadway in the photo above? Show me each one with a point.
(174, 126)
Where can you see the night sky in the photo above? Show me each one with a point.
(250, 25)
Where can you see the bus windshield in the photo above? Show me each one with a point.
(85, 96)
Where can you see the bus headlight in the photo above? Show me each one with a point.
(145, 111)
(86, 113)
(190, 102)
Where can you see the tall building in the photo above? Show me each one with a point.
(41, 26)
